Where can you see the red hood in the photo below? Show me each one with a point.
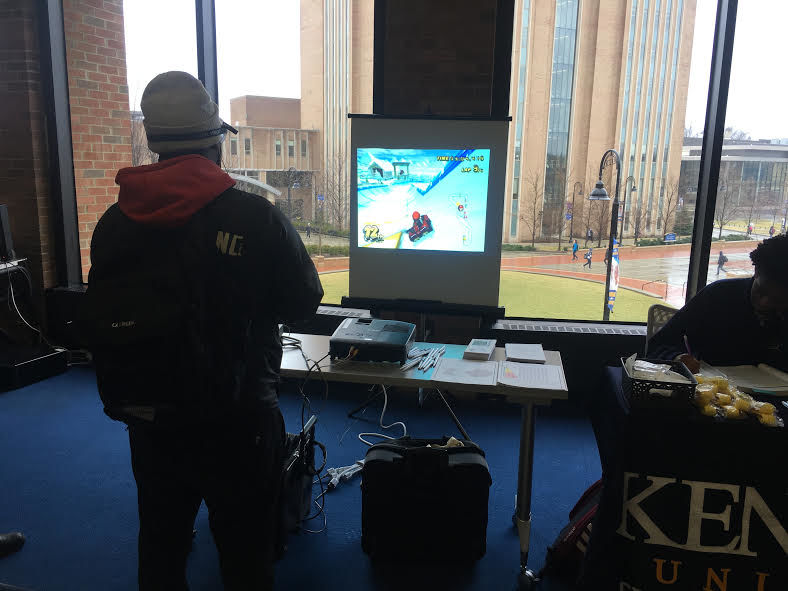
(170, 192)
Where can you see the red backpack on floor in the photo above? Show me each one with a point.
(565, 555)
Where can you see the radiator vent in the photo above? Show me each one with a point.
(344, 312)
(580, 328)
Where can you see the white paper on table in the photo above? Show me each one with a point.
(525, 353)
(528, 375)
(465, 371)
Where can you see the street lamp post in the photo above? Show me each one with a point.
(624, 203)
(572, 221)
(600, 194)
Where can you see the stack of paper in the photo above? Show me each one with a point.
(528, 375)
(508, 373)
(525, 353)
(464, 371)
(479, 349)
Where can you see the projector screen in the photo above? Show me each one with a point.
(426, 209)
(402, 191)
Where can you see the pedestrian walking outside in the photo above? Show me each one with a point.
(587, 256)
(721, 260)
(771, 231)
(308, 229)
(574, 250)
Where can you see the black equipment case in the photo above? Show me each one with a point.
(424, 503)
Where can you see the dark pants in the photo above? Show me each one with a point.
(574, 255)
(236, 468)
(588, 262)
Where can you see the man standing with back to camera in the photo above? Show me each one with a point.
(230, 266)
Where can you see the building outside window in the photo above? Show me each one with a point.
(247, 146)
(303, 148)
(278, 147)
(233, 147)
(291, 148)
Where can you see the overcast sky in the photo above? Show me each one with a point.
(259, 53)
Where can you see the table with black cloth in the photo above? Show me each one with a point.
(689, 502)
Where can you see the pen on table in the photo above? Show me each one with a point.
(430, 358)
(425, 359)
(435, 357)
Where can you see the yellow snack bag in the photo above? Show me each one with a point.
(722, 383)
(731, 412)
(769, 420)
(700, 378)
(742, 403)
(723, 399)
(706, 387)
(709, 410)
(704, 394)
(764, 408)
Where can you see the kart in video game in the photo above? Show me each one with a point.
(422, 225)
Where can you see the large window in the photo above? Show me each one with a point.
(641, 88)
(662, 50)
(752, 194)
(297, 104)
(148, 55)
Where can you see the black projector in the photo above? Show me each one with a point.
(372, 339)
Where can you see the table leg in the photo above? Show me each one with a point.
(522, 514)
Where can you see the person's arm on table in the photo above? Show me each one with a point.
(685, 326)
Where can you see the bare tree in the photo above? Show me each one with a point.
(639, 218)
(140, 153)
(601, 219)
(558, 212)
(669, 204)
(531, 206)
(726, 208)
(332, 183)
(736, 134)
(752, 207)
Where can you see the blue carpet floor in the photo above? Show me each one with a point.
(66, 482)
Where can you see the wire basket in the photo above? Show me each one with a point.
(653, 394)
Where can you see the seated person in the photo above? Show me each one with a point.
(734, 321)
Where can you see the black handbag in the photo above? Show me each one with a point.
(423, 501)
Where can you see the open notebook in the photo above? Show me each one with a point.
(749, 378)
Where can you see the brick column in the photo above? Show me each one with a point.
(23, 151)
(100, 118)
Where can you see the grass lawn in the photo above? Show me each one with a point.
(539, 296)
(761, 226)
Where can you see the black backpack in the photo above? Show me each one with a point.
(157, 357)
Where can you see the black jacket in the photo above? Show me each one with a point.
(251, 262)
(722, 329)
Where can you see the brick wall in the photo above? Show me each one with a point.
(100, 118)
(23, 152)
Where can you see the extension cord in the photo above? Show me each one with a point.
(343, 474)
